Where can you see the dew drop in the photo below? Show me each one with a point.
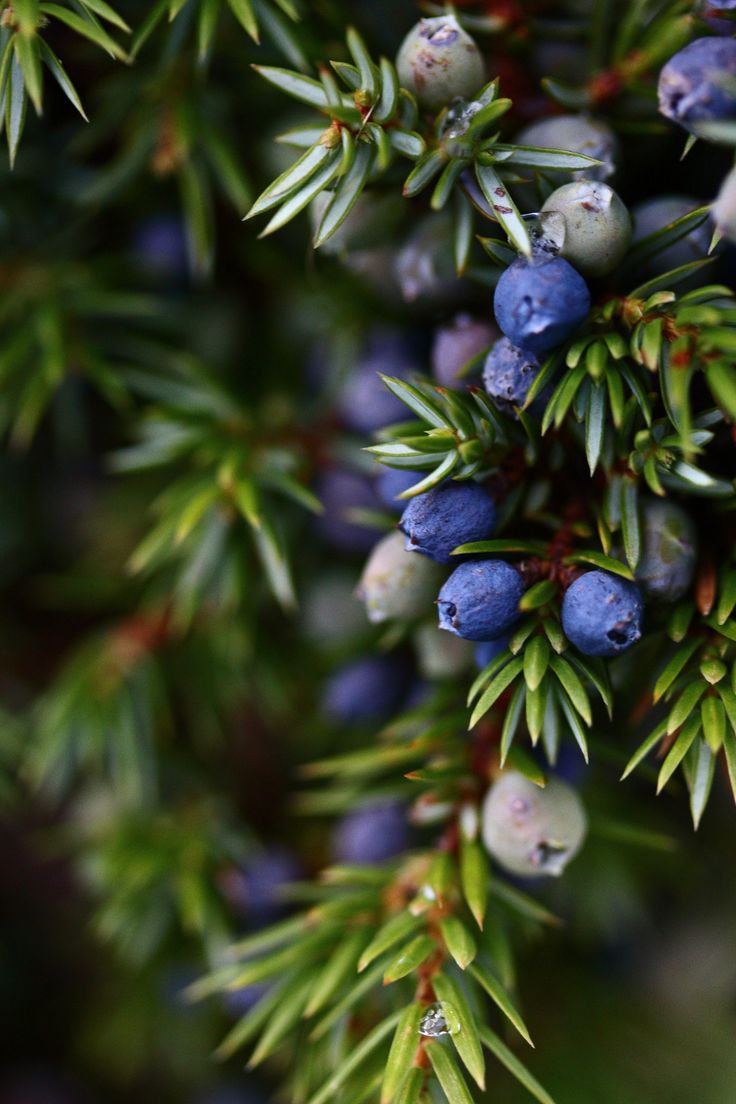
(439, 1019)
(547, 231)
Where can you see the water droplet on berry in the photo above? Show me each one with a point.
(547, 231)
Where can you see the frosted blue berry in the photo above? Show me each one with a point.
(440, 520)
(669, 547)
(508, 373)
(392, 482)
(579, 134)
(532, 831)
(439, 61)
(602, 614)
(368, 689)
(540, 302)
(698, 84)
(480, 600)
(372, 833)
(456, 344)
(596, 226)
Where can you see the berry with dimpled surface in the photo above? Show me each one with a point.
(596, 226)
(395, 585)
(540, 302)
(456, 344)
(480, 600)
(440, 520)
(531, 831)
(669, 547)
(438, 61)
(698, 84)
(602, 614)
(508, 373)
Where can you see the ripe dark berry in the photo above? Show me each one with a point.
(480, 600)
(508, 373)
(698, 84)
(365, 403)
(367, 689)
(455, 344)
(372, 833)
(339, 492)
(540, 302)
(602, 614)
(440, 520)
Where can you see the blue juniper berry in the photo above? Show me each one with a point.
(440, 520)
(540, 302)
(480, 600)
(698, 84)
(602, 613)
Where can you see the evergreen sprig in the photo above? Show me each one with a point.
(698, 685)
(206, 16)
(376, 119)
(25, 55)
(368, 125)
(414, 950)
(226, 465)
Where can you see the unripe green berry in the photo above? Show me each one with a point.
(396, 585)
(597, 226)
(441, 655)
(665, 570)
(438, 61)
(531, 831)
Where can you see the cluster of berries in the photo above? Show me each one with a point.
(580, 236)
